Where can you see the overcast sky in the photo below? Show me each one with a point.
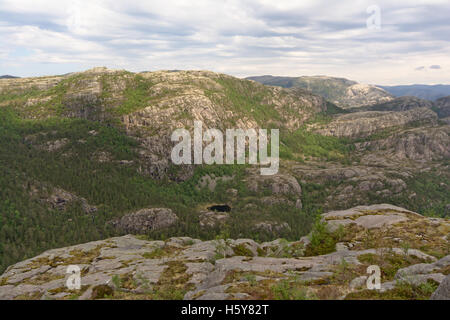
(241, 38)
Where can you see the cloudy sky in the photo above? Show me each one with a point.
(375, 41)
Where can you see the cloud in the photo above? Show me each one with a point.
(435, 66)
(236, 37)
(420, 68)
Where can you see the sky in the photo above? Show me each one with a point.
(376, 42)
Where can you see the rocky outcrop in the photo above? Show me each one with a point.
(146, 220)
(210, 181)
(369, 217)
(384, 173)
(131, 268)
(398, 104)
(210, 219)
(362, 94)
(271, 226)
(419, 144)
(283, 188)
(60, 198)
(363, 124)
(54, 145)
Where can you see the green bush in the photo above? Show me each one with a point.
(322, 240)
(290, 289)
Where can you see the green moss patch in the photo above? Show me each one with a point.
(389, 263)
(402, 291)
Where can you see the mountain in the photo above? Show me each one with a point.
(87, 157)
(8, 77)
(428, 92)
(342, 92)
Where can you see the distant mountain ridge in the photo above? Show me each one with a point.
(340, 91)
(7, 76)
(423, 91)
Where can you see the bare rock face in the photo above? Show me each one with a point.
(363, 94)
(146, 220)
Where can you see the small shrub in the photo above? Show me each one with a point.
(155, 254)
(242, 250)
(290, 290)
(322, 240)
(102, 291)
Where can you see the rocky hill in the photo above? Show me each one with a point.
(214, 98)
(342, 92)
(331, 263)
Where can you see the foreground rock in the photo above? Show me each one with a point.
(443, 291)
(410, 249)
